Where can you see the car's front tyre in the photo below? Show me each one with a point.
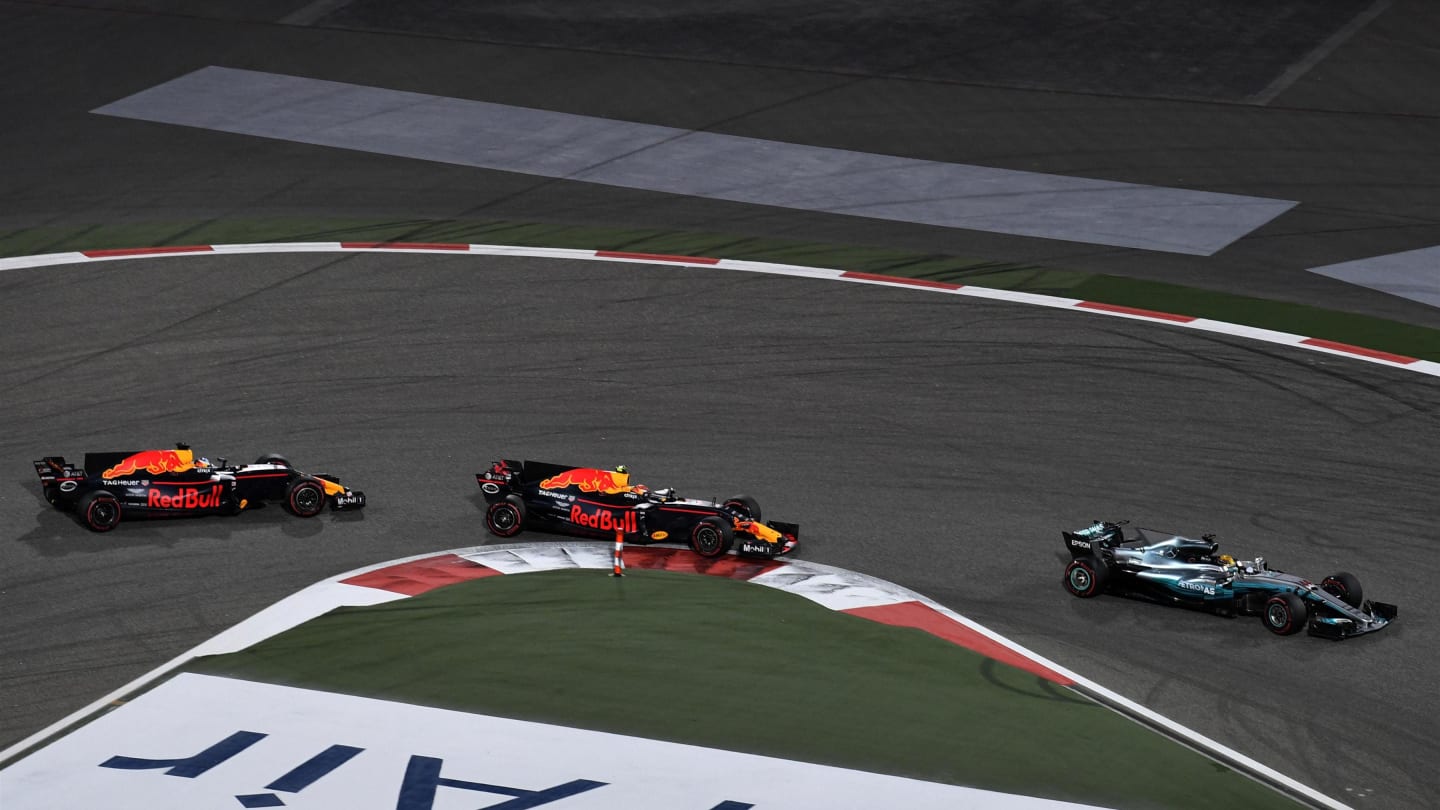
(506, 517)
(1284, 614)
(1346, 586)
(305, 498)
(711, 537)
(745, 505)
(1086, 577)
(100, 511)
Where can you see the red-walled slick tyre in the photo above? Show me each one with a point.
(1086, 577)
(1284, 614)
(100, 511)
(711, 537)
(506, 518)
(1346, 586)
(305, 498)
(744, 504)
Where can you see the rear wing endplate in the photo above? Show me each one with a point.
(53, 468)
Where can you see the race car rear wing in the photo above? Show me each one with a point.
(500, 476)
(57, 476)
(54, 468)
(1101, 534)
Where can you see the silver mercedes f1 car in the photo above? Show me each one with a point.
(1170, 568)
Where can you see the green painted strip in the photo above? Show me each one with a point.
(724, 664)
(1342, 327)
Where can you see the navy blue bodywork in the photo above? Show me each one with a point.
(110, 486)
(598, 503)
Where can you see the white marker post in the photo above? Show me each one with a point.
(619, 562)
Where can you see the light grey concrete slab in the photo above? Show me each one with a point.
(703, 164)
(1413, 274)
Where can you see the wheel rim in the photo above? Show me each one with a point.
(103, 513)
(707, 540)
(1278, 615)
(504, 518)
(307, 499)
(1079, 579)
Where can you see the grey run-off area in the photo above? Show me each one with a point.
(702, 164)
(1413, 274)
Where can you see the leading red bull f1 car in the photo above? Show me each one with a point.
(1168, 568)
(591, 502)
(173, 483)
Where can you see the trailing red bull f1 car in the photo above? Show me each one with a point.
(169, 483)
(1168, 568)
(592, 502)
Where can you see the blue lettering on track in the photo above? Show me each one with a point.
(312, 769)
(422, 779)
(193, 766)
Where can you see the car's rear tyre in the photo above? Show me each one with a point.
(305, 497)
(100, 511)
(274, 458)
(745, 505)
(506, 518)
(1346, 586)
(1086, 577)
(1284, 614)
(711, 537)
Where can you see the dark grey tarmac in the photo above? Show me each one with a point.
(938, 442)
(1353, 139)
(941, 443)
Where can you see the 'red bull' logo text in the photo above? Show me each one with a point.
(154, 462)
(603, 481)
(605, 520)
(186, 498)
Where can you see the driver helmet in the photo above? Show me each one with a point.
(1227, 560)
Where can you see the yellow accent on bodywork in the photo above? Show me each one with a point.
(659, 535)
(758, 530)
(331, 488)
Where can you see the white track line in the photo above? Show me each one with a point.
(1321, 345)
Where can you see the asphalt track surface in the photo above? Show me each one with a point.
(1352, 139)
(937, 442)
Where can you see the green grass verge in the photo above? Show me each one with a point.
(725, 664)
(1359, 330)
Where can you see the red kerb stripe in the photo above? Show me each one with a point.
(1360, 350)
(418, 576)
(913, 282)
(730, 566)
(1144, 313)
(620, 254)
(402, 246)
(100, 254)
(923, 617)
